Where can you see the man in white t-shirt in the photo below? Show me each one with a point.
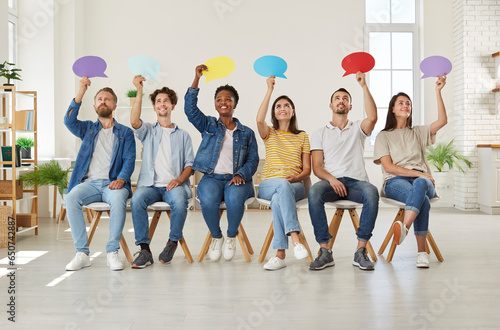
(337, 159)
(166, 167)
(101, 173)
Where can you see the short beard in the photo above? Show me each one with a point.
(104, 111)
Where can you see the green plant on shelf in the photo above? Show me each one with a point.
(25, 142)
(132, 93)
(8, 71)
(446, 154)
(48, 174)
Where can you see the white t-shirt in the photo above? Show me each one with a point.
(342, 150)
(163, 162)
(101, 158)
(225, 162)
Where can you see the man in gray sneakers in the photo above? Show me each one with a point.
(337, 159)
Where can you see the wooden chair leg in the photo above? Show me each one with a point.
(125, 249)
(434, 246)
(185, 248)
(93, 225)
(206, 245)
(334, 226)
(62, 214)
(243, 245)
(154, 223)
(245, 238)
(400, 216)
(267, 243)
(391, 251)
(355, 223)
(90, 215)
(303, 240)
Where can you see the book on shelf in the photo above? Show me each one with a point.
(7, 155)
(25, 120)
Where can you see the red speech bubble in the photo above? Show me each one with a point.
(355, 62)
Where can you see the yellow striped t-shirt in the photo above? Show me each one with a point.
(284, 153)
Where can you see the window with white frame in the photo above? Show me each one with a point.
(12, 31)
(391, 32)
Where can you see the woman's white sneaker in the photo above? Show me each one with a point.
(229, 248)
(422, 260)
(215, 250)
(79, 261)
(300, 251)
(275, 263)
(114, 262)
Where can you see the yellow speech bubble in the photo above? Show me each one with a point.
(218, 67)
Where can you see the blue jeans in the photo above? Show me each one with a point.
(215, 188)
(283, 196)
(416, 194)
(357, 191)
(177, 199)
(90, 192)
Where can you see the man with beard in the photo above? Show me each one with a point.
(166, 167)
(101, 173)
(337, 159)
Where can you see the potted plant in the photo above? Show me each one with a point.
(8, 71)
(132, 94)
(446, 154)
(26, 143)
(46, 174)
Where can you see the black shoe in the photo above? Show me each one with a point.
(362, 261)
(323, 260)
(144, 259)
(168, 252)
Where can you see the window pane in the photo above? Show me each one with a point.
(380, 86)
(382, 115)
(11, 4)
(402, 50)
(380, 45)
(377, 11)
(12, 42)
(402, 81)
(403, 11)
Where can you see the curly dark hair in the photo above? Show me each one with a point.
(230, 89)
(172, 95)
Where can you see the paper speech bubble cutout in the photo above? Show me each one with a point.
(90, 66)
(435, 66)
(144, 65)
(355, 62)
(218, 67)
(270, 65)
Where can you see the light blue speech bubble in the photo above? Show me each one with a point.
(270, 65)
(144, 65)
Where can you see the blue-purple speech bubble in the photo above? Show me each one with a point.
(90, 66)
(144, 65)
(270, 65)
(433, 66)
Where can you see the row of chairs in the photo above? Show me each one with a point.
(95, 210)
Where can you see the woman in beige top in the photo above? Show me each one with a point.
(400, 148)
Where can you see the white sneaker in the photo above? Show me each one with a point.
(300, 251)
(114, 262)
(422, 260)
(214, 251)
(275, 263)
(229, 248)
(80, 261)
(400, 232)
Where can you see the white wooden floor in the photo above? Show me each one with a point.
(462, 292)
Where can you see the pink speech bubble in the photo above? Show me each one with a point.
(433, 66)
(90, 66)
(355, 62)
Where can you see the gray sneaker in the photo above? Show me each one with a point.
(144, 259)
(361, 260)
(168, 252)
(323, 260)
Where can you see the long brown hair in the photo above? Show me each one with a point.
(391, 122)
(293, 121)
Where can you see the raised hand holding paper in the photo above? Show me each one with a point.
(270, 65)
(355, 62)
(145, 66)
(433, 66)
(218, 67)
(90, 66)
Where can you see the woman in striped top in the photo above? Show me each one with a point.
(288, 163)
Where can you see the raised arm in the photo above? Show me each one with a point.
(442, 117)
(261, 114)
(198, 73)
(193, 113)
(369, 122)
(75, 126)
(135, 114)
(84, 84)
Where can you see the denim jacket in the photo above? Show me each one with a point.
(181, 152)
(245, 152)
(123, 157)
